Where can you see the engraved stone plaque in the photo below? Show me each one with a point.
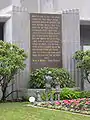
(46, 40)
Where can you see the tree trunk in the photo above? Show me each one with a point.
(82, 80)
(4, 94)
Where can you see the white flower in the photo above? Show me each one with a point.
(32, 99)
(49, 72)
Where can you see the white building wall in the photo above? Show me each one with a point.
(83, 5)
(46, 5)
(51, 5)
(31, 5)
(4, 3)
(16, 2)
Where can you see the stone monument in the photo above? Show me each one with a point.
(46, 40)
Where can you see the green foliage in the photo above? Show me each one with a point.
(85, 94)
(83, 62)
(43, 95)
(83, 59)
(37, 78)
(67, 93)
(11, 61)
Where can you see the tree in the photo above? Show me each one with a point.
(83, 62)
(11, 61)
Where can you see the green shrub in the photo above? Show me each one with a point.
(67, 93)
(85, 94)
(37, 78)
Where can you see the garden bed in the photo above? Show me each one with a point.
(76, 105)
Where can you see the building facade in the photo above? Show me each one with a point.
(15, 28)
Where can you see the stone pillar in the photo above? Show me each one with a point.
(70, 40)
(20, 37)
(8, 38)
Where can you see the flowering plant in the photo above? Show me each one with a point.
(76, 105)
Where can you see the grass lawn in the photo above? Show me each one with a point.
(18, 111)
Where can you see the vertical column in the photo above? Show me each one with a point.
(70, 40)
(20, 36)
(8, 38)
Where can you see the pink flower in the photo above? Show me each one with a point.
(87, 99)
(72, 101)
(67, 102)
(87, 103)
(82, 99)
(76, 102)
(57, 103)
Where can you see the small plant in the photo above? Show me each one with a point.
(60, 75)
(43, 96)
(85, 94)
(67, 93)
